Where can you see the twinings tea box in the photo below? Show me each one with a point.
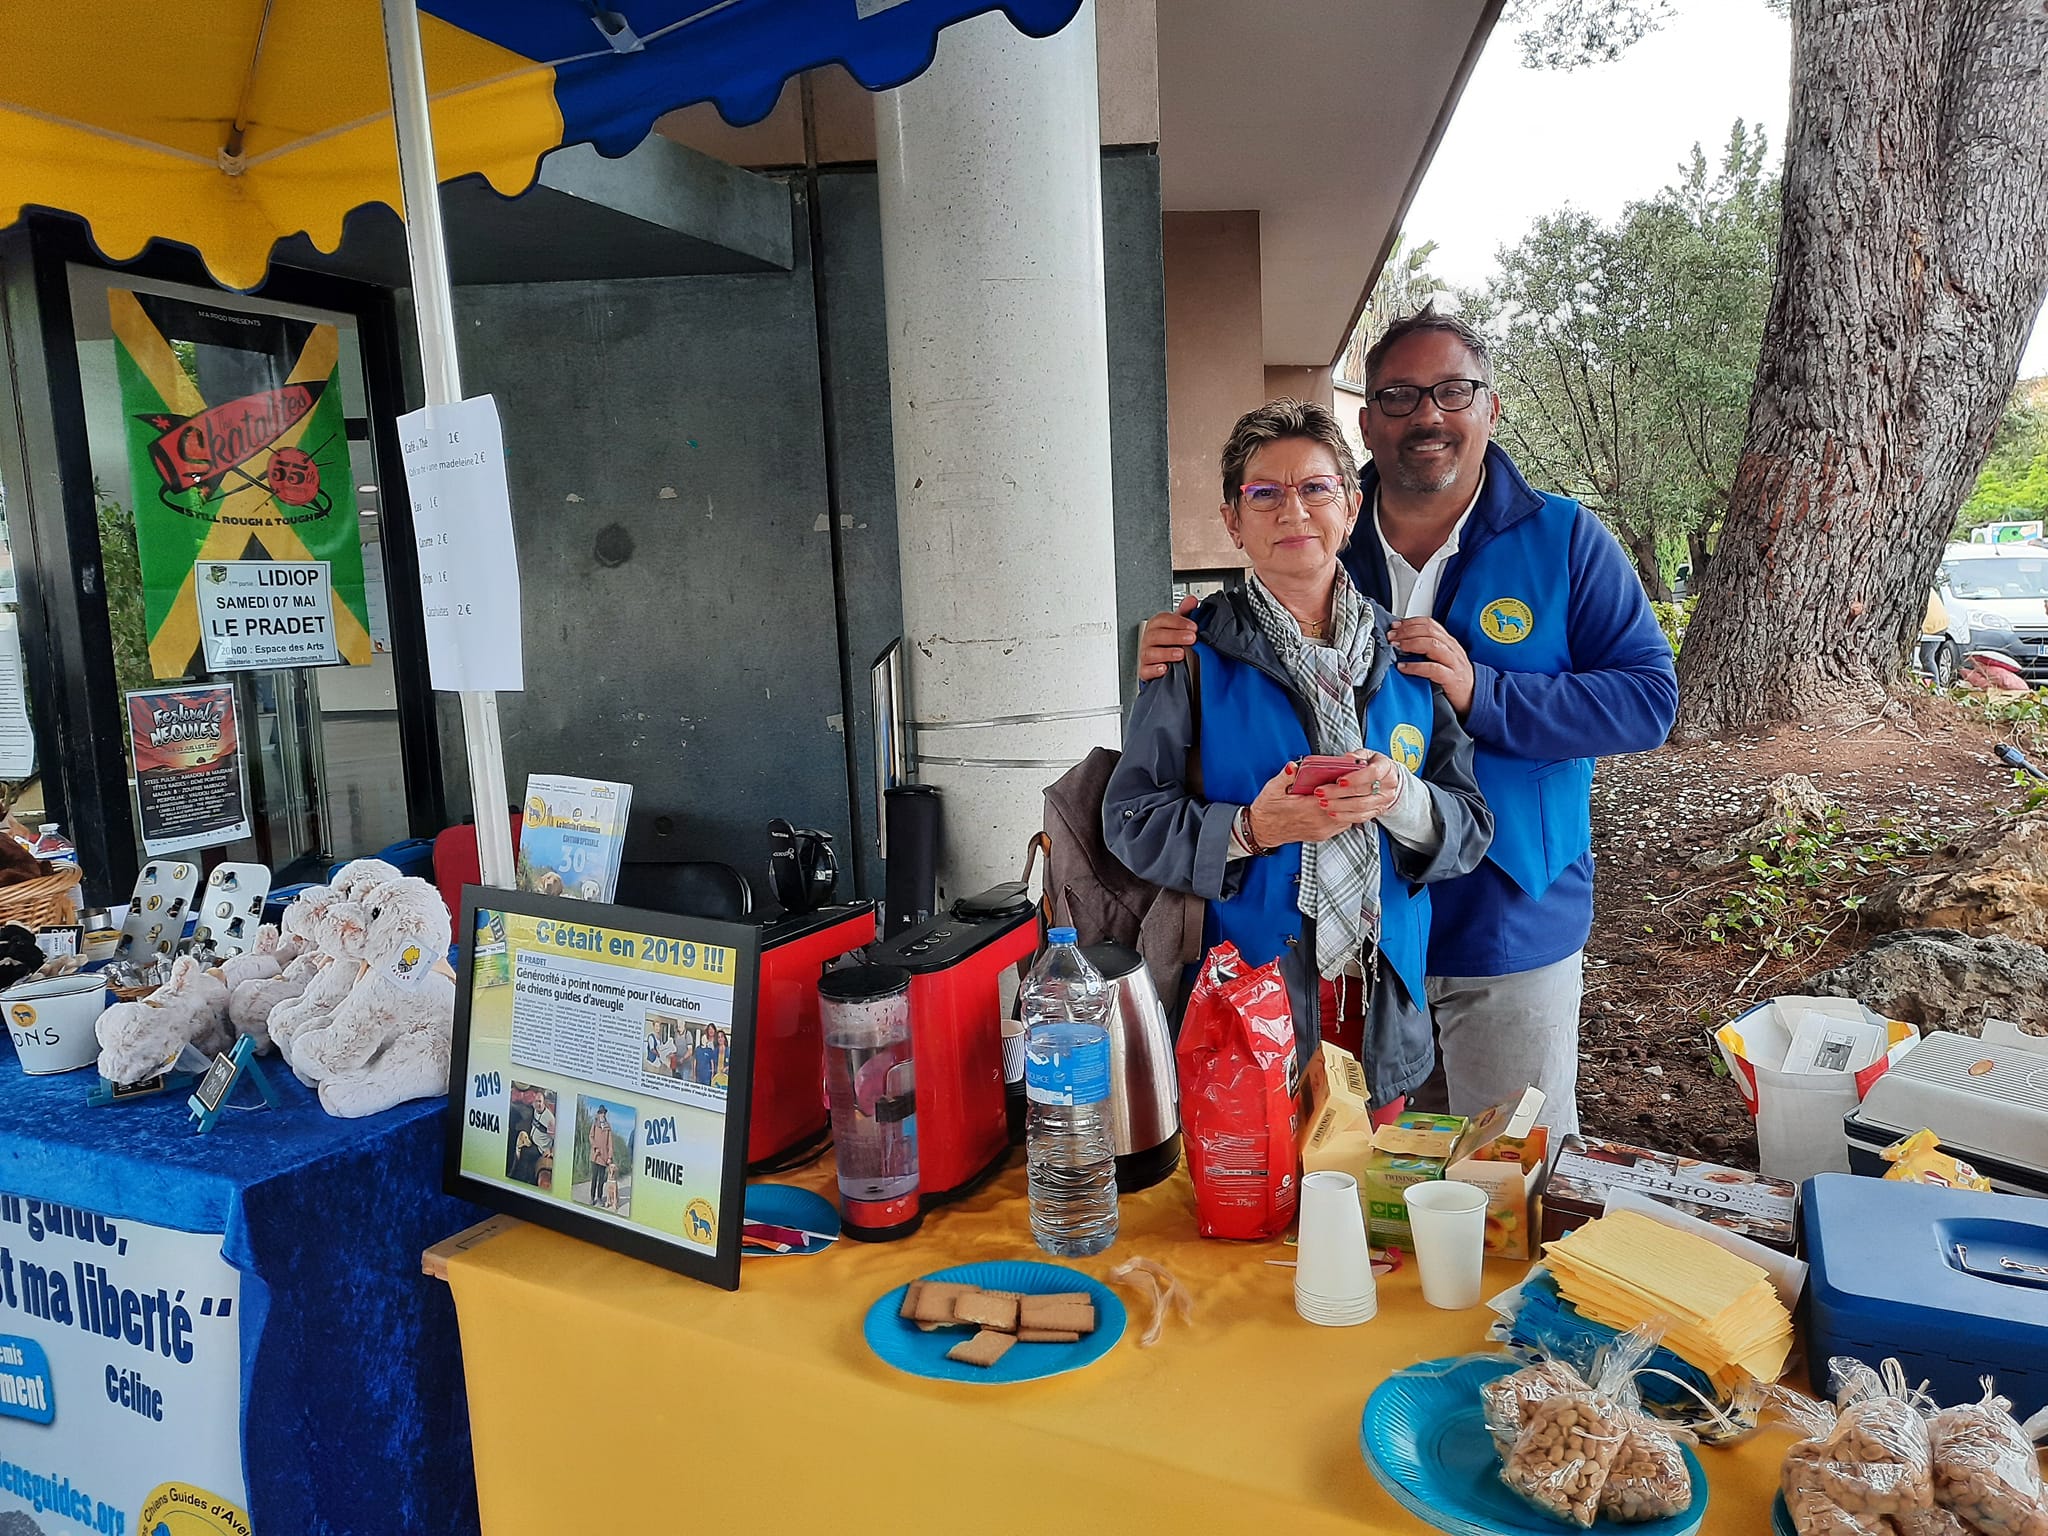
(1420, 1146)
(1417, 1147)
(1510, 1168)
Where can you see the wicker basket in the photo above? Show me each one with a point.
(42, 902)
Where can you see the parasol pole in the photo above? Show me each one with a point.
(434, 306)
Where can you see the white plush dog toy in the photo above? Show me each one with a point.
(389, 1039)
(251, 1001)
(258, 962)
(138, 1039)
(336, 930)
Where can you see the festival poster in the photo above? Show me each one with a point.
(120, 1377)
(238, 451)
(191, 783)
(597, 1071)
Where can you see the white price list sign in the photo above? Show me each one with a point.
(469, 570)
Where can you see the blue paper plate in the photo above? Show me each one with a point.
(908, 1348)
(1425, 1442)
(785, 1205)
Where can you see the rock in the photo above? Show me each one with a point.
(1995, 881)
(1791, 800)
(1943, 980)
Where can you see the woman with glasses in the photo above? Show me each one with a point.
(1329, 878)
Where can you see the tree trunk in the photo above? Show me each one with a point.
(1696, 542)
(1913, 259)
(1642, 548)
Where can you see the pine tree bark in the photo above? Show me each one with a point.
(1913, 259)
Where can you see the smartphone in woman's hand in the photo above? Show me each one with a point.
(1312, 773)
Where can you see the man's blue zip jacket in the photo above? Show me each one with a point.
(1568, 665)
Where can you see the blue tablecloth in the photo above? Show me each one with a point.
(353, 1414)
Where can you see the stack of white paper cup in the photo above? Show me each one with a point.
(1333, 1283)
(1448, 1220)
(1013, 1050)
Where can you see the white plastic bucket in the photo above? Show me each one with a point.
(51, 1021)
(1799, 1112)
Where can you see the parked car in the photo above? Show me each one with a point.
(1943, 640)
(1996, 597)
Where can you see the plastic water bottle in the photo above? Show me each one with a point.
(1069, 1153)
(52, 845)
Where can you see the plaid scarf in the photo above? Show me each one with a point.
(1340, 878)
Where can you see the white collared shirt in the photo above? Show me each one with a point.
(1414, 591)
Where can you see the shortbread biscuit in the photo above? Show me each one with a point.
(997, 1312)
(984, 1349)
(1065, 1316)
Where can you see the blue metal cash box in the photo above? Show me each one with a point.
(1952, 1283)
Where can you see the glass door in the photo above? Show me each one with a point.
(226, 429)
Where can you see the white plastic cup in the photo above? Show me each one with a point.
(1013, 1050)
(51, 1021)
(1333, 1283)
(1448, 1220)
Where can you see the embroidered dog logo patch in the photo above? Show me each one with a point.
(1404, 746)
(1506, 620)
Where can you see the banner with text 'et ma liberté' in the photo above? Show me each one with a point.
(120, 1377)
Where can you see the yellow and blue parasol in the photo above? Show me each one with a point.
(226, 125)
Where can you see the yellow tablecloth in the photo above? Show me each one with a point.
(606, 1394)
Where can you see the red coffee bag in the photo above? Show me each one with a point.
(1238, 1107)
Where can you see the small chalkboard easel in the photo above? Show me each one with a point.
(216, 1090)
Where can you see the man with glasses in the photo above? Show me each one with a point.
(1529, 616)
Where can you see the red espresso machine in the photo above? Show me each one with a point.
(789, 1114)
(956, 961)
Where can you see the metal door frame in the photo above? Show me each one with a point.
(67, 647)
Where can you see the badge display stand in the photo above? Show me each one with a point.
(216, 1090)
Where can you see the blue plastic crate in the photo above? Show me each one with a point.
(1889, 1281)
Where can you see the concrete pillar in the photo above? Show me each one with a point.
(998, 369)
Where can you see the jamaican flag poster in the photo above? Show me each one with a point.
(238, 451)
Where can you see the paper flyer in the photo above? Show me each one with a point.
(191, 783)
(120, 1376)
(573, 836)
(266, 613)
(597, 1071)
(17, 739)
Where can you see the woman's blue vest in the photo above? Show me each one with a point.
(1509, 611)
(1250, 730)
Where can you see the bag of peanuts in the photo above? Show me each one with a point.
(1506, 1400)
(1864, 1467)
(1587, 1450)
(1985, 1471)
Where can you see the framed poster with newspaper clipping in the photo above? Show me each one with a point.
(601, 1073)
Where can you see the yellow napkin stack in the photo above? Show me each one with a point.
(1720, 1312)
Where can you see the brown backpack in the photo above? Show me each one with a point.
(1088, 889)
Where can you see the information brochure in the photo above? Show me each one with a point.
(597, 1066)
(573, 836)
(191, 781)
